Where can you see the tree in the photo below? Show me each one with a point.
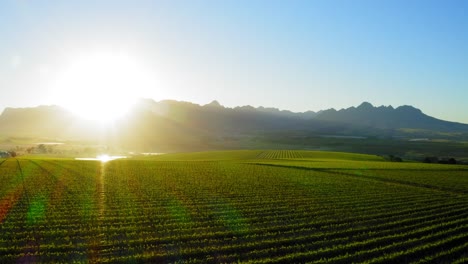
(42, 148)
(431, 160)
(395, 158)
(452, 161)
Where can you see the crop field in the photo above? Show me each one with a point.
(237, 206)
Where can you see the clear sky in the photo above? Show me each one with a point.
(295, 55)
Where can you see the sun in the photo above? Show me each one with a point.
(102, 86)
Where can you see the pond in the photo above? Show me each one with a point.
(103, 158)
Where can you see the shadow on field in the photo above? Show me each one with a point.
(360, 175)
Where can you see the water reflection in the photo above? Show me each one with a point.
(103, 158)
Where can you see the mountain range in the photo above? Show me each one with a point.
(174, 125)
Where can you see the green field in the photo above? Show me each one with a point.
(238, 206)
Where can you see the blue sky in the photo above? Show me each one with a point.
(296, 55)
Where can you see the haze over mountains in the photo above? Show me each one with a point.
(178, 125)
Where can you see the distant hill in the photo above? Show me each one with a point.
(215, 118)
(389, 118)
(52, 121)
(173, 125)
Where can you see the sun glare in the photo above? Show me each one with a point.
(104, 158)
(102, 86)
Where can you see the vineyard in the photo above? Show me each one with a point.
(239, 206)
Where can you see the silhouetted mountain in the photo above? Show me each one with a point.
(366, 115)
(214, 118)
(215, 104)
(173, 125)
(51, 121)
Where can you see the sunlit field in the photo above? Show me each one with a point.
(239, 206)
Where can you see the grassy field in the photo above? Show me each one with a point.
(238, 206)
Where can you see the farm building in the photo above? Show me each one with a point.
(4, 154)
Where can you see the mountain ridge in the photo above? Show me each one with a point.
(216, 104)
(182, 125)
